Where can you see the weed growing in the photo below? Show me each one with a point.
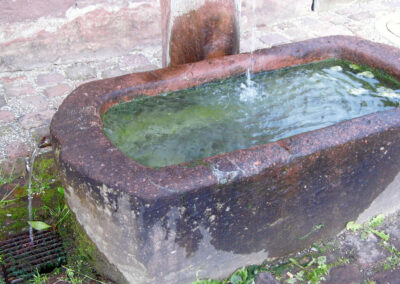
(393, 260)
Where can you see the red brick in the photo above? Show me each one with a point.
(57, 91)
(49, 79)
(33, 120)
(6, 116)
(27, 10)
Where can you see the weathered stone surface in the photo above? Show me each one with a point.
(57, 91)
(392, 277)
(36, 119)
(266, 278)
(81, 72)
(6, 116)
(49, 79)
(176, 223)
(23, 10)
(349, 274)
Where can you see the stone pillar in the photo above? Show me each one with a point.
(199, 29)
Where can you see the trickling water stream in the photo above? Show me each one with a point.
(29, 162)
(249, 90)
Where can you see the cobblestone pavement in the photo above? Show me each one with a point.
(29, 98)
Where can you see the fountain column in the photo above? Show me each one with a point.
(199, 29)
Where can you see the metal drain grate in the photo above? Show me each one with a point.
(21, 258)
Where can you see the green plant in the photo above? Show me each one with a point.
(314, 271)
(76, 277)
(393, 260)
(369, 228)
(4, 180)
(38, 278)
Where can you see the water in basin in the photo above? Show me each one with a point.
(228, 115)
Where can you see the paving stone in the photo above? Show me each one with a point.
(49, 79)
(134, 60)
(34, 103)
(57, 91)
(113, 73)
(81, 72)
(17, 90)
(274, 39)
(6, 116)
(33, 120)
(349, 274)
(16, 150)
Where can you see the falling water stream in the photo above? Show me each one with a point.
(249, 88)
(29, 168)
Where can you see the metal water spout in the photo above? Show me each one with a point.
(45, 142)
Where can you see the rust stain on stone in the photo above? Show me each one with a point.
(208, 32)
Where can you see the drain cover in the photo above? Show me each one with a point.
(21, 258)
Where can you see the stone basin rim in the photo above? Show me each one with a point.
(77, 135)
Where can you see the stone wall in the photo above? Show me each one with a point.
(49, 47)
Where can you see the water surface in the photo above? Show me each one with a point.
(233, 114)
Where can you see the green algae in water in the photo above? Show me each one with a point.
(228, 115)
